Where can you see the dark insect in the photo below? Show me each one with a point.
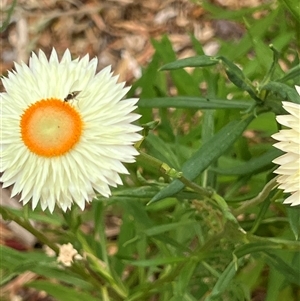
(71, 96)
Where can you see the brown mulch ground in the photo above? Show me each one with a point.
(118, 33)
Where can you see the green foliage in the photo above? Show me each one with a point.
(200, 218)
(9, 13)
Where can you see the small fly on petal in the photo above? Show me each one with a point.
(71, 96)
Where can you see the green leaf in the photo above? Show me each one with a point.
(254, 247)
(19, 261)
(237, 77)
(223, 13)
(293, 73)
(293, 214)
(10, 258)
(149, 81)
(142, 221)
(223, 282)
(45, 217)
(291, 274)
(207, 154)
(286, 92)
(275, 284)
(184, 278)
(294, 7)
(136, 192)
(39, 263)
(168, 227)
(195, 61)
(259, 28)
(252, 166)
(61, 293)
(190, 102)
(185, 83)
(161, 150)
(10, 12)
(62, 275)
(157, 261)
(263, 53)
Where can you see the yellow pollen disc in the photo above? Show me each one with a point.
(50, 127)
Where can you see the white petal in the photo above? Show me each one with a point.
(289, 142)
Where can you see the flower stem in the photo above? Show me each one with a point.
(165, 169)
(258, 199)
(25, 223)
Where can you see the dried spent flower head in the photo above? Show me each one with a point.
(67, 255)
(289, 142)
(65, 131)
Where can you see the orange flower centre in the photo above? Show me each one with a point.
(51, 127)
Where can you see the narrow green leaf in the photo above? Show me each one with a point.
(291, 274)
(184, 278)
(45, 217)
(10, 12)
(255, 247)
(6, 277)
(207, 132)
(223, 13)
(143, 221)
(161, 150)
(11, 258)
(184, 82)
(284, 244)
(195, 61)
(223, 282)
(259, 28)
(189, 102)
(237, 77)
(293, 73)
(149, 82)
(61, 293)
(168, 227)
(293, 214)
(252, 166)
(136, 192)
(207, 154)
(294, 7)
(263, 54)
(263, 209)
(157, 261)
(54, 272)
(286, 92)
(163, 205)
(276, 282)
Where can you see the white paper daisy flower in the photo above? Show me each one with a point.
(289, 163)
(65, 131)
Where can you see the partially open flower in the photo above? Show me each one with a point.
(65, 131)
(67, 255)
(289, 142)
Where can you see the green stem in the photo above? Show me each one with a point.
(153, 162)
(258, 199)
(25, 223)
(115, 291)
(173, 173)
(195, 187)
